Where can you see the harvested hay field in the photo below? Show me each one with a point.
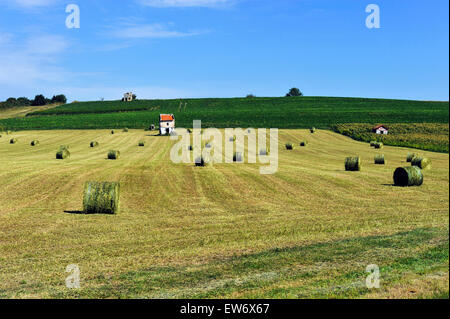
(221, 231)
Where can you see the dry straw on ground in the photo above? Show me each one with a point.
(408, 176)
(353, 164)
(101, 198)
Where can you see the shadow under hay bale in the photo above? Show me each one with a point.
(289, 146)
(94, 144)
(35, 143)
(353, 164)
(237, 157)
(13, 141)
(62, 154)
(202, 161)
(408, 176)
(421, 162)
(141, 144)
(379, 159)
(101, 198)
(113, 155)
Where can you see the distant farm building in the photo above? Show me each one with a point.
(166, 123)
(128, 97)
(381, 129)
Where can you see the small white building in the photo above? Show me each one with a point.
(128, 97)
(166, 124)
(381, 129)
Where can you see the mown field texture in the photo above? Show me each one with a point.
(426, 136)
(307, 231)
(281, 112)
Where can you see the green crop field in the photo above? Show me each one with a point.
(222, 231)
(282, 112)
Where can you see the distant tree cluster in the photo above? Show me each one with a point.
(37, 101)
(294, 92)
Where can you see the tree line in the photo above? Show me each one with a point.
(39, 100)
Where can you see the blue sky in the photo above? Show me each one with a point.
(224, 48)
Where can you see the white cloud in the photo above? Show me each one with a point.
(149, 31)
(31, 3)
(184, 3)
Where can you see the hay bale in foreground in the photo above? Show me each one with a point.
(94, 144)
(62, 154)
(141, 143)
(13, 141)
(113, 155)
(101, 198)
(379, 159)
(379, 145)
(289, 146)
(35, 143)
(410, 156)
(421, 162)
(353, 164)
(303, 143)
(408, 176)
(237, 157)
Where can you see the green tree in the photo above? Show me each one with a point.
(39, 100)
(61, 98)
(294, 92)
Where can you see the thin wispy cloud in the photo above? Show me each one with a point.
(150, 31)
(184, 3)
(30, 3)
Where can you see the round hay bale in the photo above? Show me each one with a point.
(379, 159)
(35, 143)
(289, 146)
(208, 145)
(112, 131)
(8, 132)
(113, 155)
(421, 162)
(62, 154)
(189, 131)
(408, 176)
(13, 141)
(237, 157)
(202, 161)
(379, 145)
(353, 164)
(152, 127)
(313, 130)
(263, 152)
(141, 144)
(94, 144)
(190, 148)
(125, 130)
(372, 143)
(410, 156)
(101, 198)
(232, 139)
(303, 143)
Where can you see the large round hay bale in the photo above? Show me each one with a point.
(113, 155)
(313, 130)
(237, 157)
(125, 130)
(189, 131)
(152, 127)
(353, 164)
(372, 143)
(190, 148)
(101, 198)
(141, 144)
(94, 144)
(408, 176)
(379, 145)
(208, 145)
(421, 162)
(263, 151)
(410, 156)
(379, 159)
(112, 132)
(13, 141)
(303, 143)
(62, 154)
(289, 146)
(35, 143)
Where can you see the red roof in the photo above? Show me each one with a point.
(166, 118)
(379, 126)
